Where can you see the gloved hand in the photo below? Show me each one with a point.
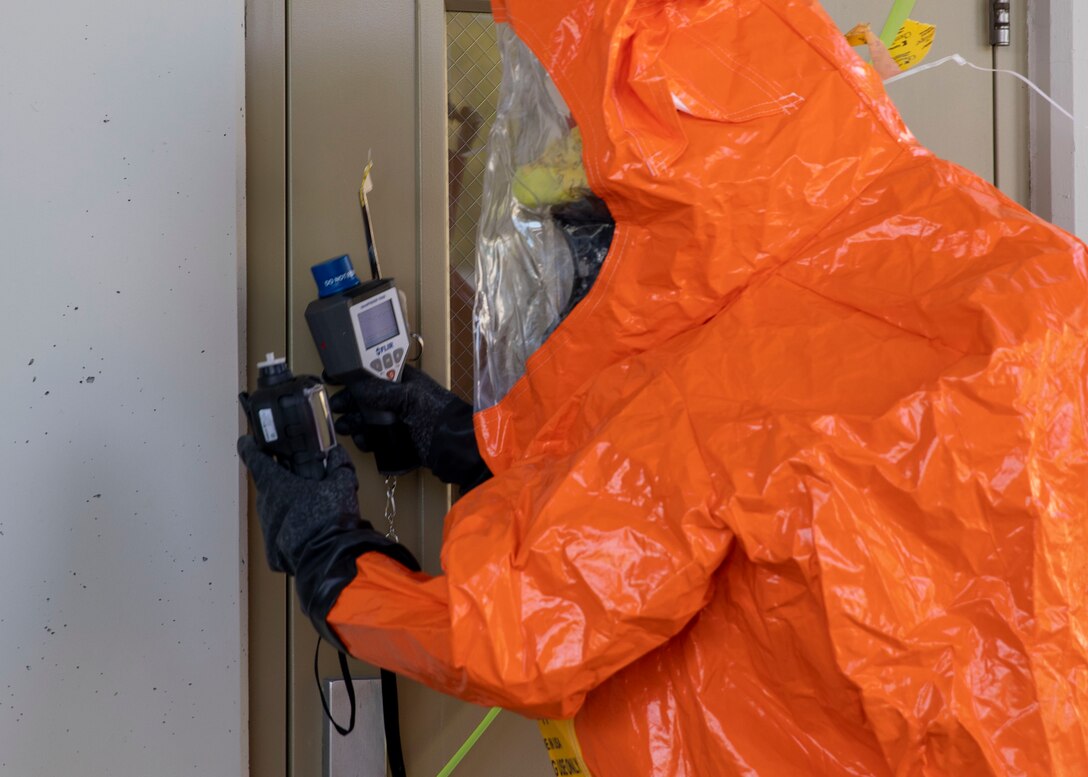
(293, 510)
(434, 423)
(312, 529)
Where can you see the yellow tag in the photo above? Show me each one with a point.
(367, 186)
(912, 44)
(856, 36)
(563, 748)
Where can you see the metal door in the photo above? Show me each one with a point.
(328, 84)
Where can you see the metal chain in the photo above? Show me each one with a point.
(391, 507)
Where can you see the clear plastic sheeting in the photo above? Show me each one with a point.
(526, 271)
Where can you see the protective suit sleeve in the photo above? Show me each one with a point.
(327, 564)
(594, 549)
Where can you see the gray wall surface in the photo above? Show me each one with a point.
(121, 539)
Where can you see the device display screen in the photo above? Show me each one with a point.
(378, 324)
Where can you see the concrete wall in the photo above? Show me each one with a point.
(121, 569)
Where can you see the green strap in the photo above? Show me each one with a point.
(900, 12)
(473, 738)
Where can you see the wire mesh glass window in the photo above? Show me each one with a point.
(473, 76)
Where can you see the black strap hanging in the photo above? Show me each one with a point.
(390, 710)
(391, 715)
(347, 681)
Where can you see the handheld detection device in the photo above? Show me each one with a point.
(360, 328)
(290, 418)
(357, 327)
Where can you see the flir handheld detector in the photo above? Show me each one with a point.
(357, 327)
(361, 329)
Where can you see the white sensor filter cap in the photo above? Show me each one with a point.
(270, 360)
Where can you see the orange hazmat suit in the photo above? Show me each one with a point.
(801, 486)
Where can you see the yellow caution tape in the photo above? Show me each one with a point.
(563, 748)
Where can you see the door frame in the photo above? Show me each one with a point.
(276, 713)
(267, 225)
(1058, 63)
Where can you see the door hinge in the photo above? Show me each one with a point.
(1000, 22)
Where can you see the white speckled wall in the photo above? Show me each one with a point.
(121, 537)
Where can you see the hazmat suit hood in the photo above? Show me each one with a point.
(724, 138)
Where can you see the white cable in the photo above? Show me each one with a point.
(964, 63)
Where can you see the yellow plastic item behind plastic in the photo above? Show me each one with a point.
(556, 178)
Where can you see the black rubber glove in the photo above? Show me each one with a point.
(436, 423)
(293, 510)
(312, 529)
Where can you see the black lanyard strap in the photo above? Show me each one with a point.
(390, 710)
(347, 681)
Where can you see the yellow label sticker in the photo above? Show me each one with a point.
(563, 749)
(912, 44)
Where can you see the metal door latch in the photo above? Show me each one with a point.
(1000, 22)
